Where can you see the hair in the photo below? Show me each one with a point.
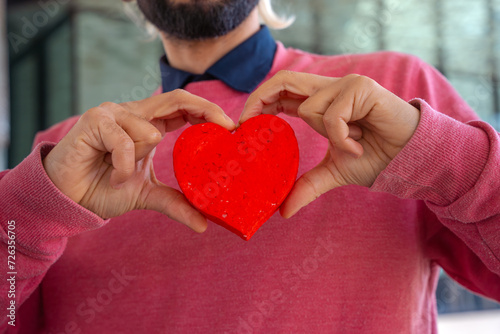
(271, 19)
(267, 15)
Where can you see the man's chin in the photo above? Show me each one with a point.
(196, 20)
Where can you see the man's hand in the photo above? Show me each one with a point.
(366, 126)
(105, 162)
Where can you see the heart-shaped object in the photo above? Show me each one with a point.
(238, 180)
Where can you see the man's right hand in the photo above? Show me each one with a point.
(105, 162)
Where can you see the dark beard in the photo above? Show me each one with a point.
(196, 20)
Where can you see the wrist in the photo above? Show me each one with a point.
(57, 173)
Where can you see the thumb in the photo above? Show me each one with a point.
(174, 204)
(308, 187)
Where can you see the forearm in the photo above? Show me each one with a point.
(36, 220)
(454, 168)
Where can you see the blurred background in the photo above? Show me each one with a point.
(59, 58)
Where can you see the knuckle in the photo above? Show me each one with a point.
(284, 77)
(307, 180)
(93, 113)
(352, 76)
(109, 105)
(364, 82)
(329, 120)
(179, 97)
(284, 74)
(154, 137)
(129, 105)
(103, 112)
(178, 93)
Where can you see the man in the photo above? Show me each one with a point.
(404, 190)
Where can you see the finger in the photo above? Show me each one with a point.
(285, 105)
(144, 134)
(168, 126)
(355, 131)
(336, 122)
(313, 109)
(173, 204)
(308, 187)
(121, 147)
(293, 84)
(179, 103)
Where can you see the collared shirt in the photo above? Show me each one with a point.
(242, 69)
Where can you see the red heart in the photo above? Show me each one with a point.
(238, 180)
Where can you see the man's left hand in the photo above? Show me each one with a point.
(365, 124)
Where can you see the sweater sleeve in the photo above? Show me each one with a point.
(36, 220)
(452, 163)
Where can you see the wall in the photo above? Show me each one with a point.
(459, 37)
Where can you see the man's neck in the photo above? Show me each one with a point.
(197, 56)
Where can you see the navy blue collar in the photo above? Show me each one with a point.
(243, 68)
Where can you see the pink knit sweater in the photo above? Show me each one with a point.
(356, 260)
